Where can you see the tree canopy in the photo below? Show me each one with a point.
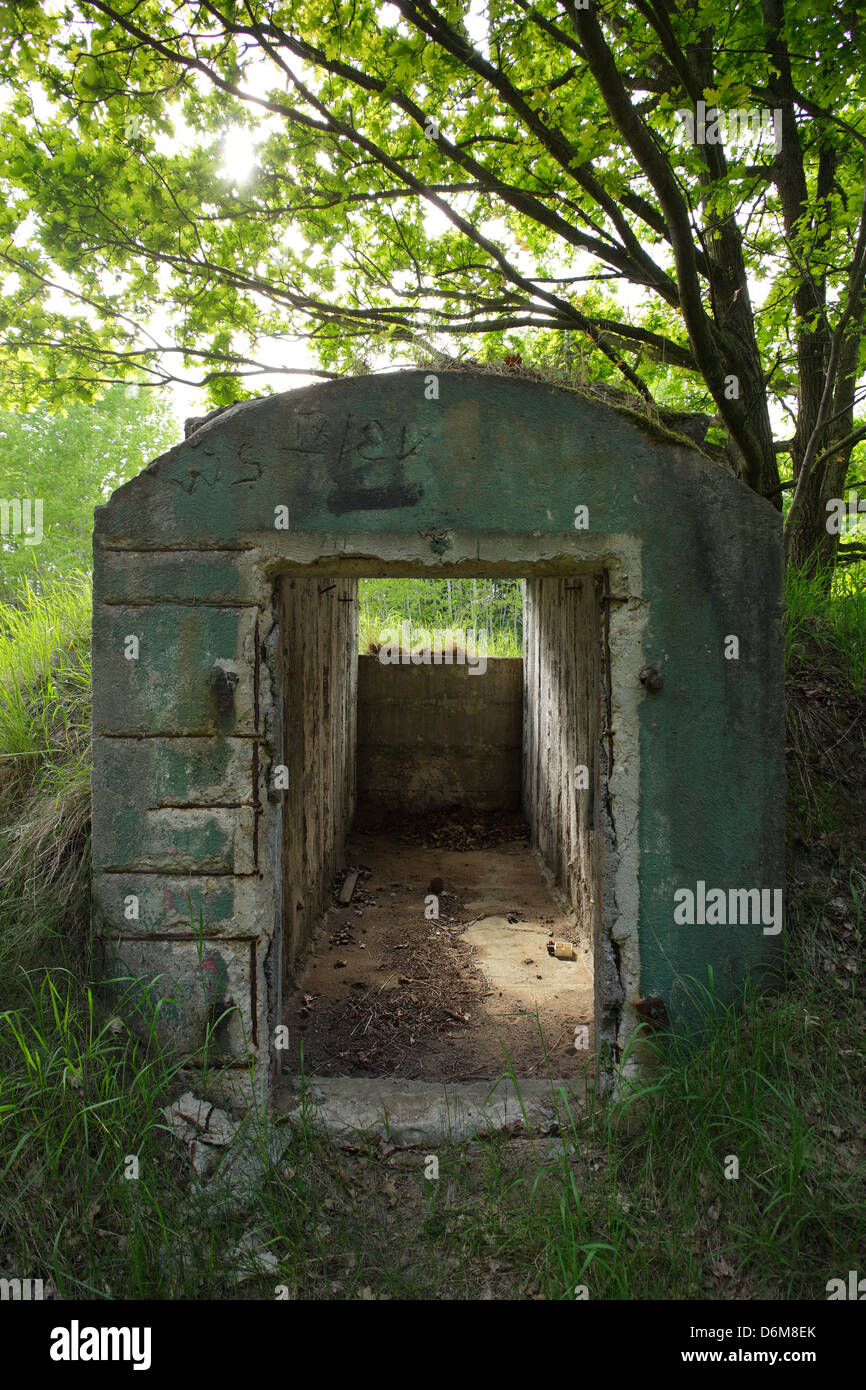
(671, 193)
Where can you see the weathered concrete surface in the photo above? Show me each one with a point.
(167, 688)
(424, 1113)
(230, 1159)
(432, 736)
(194, 993)
(171, 839)
(160, 904)
(561, 744)
(318, 723)
(383, 475)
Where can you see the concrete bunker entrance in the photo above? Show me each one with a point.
(466, 791)
(196, 844)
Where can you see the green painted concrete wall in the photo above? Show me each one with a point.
(184, 555)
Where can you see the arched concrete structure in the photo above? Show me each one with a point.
(654, 658)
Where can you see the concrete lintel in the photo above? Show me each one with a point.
(474, 554)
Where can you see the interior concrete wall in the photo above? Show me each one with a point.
(318, 625)
(561, 637)
(431, 736)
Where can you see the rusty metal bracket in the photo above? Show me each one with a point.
(652, 1012)
(223, 683)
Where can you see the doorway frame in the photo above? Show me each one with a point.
(625, 613)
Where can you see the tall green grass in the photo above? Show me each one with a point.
(45, 681)
(45, 702)
(827, 613)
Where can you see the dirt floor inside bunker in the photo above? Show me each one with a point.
(386, 991)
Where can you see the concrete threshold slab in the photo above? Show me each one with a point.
(413, 1114)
